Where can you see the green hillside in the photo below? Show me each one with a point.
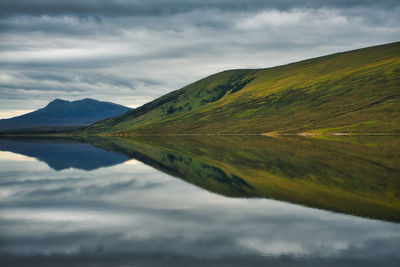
(355, 91)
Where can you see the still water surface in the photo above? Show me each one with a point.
(200, 201)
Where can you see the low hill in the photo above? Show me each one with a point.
(62, 113)
(355, 91)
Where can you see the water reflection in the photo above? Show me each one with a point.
(134, 215)
(354, 175)
(60, 153)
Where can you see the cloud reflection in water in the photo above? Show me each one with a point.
(133, 214)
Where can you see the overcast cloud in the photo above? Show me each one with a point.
(131, 52)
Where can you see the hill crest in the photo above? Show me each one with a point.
(354, 91)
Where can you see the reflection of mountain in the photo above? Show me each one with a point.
(354, 175)
(62, 154)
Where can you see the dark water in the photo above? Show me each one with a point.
(200, 201)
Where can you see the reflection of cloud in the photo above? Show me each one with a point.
(130, 214)
(133, 162)
(50, 215)
(101, 258)
(5, 155)
(113, 249)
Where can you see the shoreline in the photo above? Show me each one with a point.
(271, 134)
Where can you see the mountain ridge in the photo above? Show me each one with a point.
(63, 113)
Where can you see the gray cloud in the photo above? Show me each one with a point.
(154, 7)
(131, 52)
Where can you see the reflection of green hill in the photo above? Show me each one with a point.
(354, 175)
(179, 165)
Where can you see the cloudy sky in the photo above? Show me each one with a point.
(131, 52)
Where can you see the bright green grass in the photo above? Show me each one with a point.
(356, 91)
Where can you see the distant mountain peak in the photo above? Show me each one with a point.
(88, 100)
(58, 100)
(61, 113)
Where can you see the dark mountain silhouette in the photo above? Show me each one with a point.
(62, 113)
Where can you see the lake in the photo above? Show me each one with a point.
(200, 201)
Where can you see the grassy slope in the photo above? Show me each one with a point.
(356, 91)
(307, 171)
